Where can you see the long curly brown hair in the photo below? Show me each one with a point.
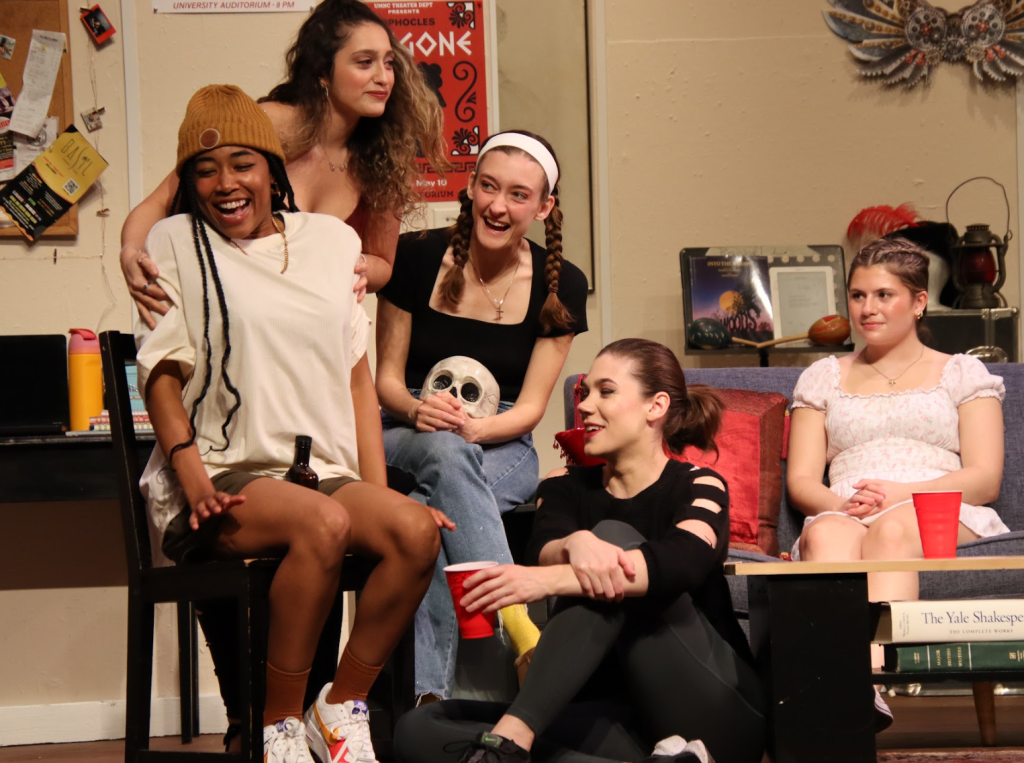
(383, 149)
(553, 314)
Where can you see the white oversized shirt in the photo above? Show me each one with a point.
(294, 340)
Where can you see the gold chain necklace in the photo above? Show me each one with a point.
(498, 302)
(279, 227)
(892, 381)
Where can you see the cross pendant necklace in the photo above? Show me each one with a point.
(498, 302)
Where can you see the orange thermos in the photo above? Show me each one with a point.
(85, 377)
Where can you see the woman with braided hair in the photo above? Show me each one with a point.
(479, 289)
(352, 114)
(228, 421)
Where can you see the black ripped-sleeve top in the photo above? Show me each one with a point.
(677, 561)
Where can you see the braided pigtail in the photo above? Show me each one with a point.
(554, 314)
(188, 181)
(459, 235)
(283, 195)
(175, 207)
(222, 303)
(186, 198)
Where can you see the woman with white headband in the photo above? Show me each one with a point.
(478, 289)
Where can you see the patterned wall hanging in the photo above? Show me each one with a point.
(899, 41)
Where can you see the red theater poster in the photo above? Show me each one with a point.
(447, 41)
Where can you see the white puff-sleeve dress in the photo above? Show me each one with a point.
(907, 436)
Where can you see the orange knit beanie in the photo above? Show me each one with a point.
(223, 115)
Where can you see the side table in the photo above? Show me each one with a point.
(810, 629)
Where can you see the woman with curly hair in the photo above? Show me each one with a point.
(351, 113)
(479, 289)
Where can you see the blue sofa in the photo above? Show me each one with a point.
(934, 585)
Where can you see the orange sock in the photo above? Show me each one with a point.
(354, 679)
(284, 695)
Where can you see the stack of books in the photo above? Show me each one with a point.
(963, 635)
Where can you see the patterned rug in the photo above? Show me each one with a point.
(952, 756)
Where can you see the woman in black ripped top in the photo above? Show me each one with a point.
(643, 645)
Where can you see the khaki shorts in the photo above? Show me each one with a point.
(232, 482)
(183, 544)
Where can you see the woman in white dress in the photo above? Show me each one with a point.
(895, 418)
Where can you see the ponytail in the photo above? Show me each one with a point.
(695, 421)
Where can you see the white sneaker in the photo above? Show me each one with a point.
(883, 715)
(677, 748)
(285, 742)
(339, 733)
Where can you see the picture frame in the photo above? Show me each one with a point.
(98, 25)
(800, 296)
(824, 264)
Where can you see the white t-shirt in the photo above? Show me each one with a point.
(294, 340)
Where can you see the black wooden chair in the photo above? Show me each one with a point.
(243, 582)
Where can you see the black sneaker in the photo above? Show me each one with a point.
(491, 748)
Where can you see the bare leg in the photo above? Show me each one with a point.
(312, 532)
(831, 539)
(895, 536)
(401, 533)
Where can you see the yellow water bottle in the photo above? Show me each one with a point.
(85, 377)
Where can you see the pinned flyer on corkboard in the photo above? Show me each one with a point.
(56, 180)
(448, 42)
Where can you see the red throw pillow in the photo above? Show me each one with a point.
(753, 433)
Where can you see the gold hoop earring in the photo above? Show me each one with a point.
(920, 316)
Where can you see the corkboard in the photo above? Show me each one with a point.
(17, 19)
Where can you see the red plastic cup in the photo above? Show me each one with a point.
(938, 520)
(477, 624)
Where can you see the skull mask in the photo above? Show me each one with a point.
(466, 379)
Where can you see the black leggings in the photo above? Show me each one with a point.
(680, 677)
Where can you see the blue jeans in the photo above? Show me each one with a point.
(473, 485)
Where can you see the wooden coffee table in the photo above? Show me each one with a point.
(810, 628)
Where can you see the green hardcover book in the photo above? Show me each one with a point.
(976, 655)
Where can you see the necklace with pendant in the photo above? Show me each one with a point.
(498, 302)
(279, 227)
(330, 162)
(892, 381)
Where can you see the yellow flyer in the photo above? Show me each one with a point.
(41, 193)
(70, 165)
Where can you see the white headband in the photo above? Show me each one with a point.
(532, 146)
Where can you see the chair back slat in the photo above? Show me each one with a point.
(125, 453)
